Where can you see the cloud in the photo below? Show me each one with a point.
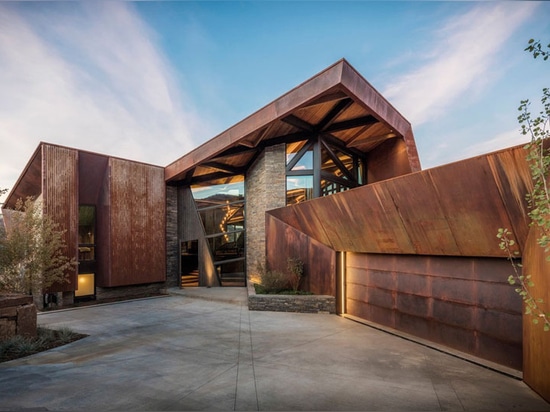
(462, 52)
(90, 76)
(500, 141)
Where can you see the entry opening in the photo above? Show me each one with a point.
(189, 263)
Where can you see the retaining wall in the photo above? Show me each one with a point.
(17, 316)
(291, 303)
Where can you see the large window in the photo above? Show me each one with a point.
(321, 167)
(86, 252)
(86, 233)
(221, 208)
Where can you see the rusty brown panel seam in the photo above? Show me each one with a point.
(491, 160)
(401, 219)
(299, 229)
(443, 210)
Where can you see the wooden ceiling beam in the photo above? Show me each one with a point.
(351, 124)
(210, 176)
(223, 167)
(297, 122)
(331, 116)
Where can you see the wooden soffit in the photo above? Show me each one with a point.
(337, 102)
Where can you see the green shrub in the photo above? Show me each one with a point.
(19, 346)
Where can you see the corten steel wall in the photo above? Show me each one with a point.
(60, 200)
(91, 177)
(536, 342)
(283, 242)
(463, 303)
(450, 211)
(137, 227)
(389, 159)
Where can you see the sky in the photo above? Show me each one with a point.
(150, 81)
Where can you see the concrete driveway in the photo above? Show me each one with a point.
(211, 353)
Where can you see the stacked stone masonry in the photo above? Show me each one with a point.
(172, 244)
(265, 190)
(17, 316)
(291, 303)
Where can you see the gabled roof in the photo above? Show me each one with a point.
(337, 102)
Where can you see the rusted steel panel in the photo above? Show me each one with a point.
(536, 356)
(60, 199)
(451, 210)
(92, 168)
(513, 180)
(388, 160)
(137, 219)
(283, 241)
(471, 202)
(464, 303)
(421, 213)
(321, 269)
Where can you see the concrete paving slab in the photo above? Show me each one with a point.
(202, 350)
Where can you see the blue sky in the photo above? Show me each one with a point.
(150, 81)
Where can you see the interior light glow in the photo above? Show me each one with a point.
(85, 285)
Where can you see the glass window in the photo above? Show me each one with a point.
(298, 189)
(306, 159)
(221, 219)
(86, 233)
(337, 168)
(219, 193)
(227, 246)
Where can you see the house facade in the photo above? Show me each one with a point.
(328, 173)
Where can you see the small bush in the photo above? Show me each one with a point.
(295, 268)
(274, 281)
(19, 346)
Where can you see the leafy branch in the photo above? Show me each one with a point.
(535, 48)
(523, 283)
(538, 159)
(538, 200)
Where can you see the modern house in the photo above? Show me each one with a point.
(328, 173)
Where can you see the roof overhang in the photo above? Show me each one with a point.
(338, 102)
(29, 183)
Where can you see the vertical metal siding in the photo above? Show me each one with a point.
(60, 199)
(137, 223)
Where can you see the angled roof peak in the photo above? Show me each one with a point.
(337, 100)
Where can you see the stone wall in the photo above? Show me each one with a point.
(17, 316)
(265, 190)
(291, 303)
(172, 242)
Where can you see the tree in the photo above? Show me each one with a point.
(538, 159)
(31, 252)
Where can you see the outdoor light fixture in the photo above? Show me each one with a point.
(341, 282)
